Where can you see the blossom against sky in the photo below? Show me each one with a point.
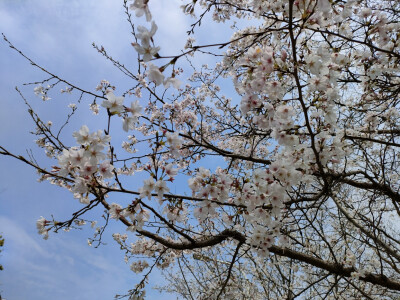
(58, 35)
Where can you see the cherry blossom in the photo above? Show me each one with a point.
(82, 136)
(141, 8)
(105, 169)
(154, 74)
(113, 103)
(271, 168)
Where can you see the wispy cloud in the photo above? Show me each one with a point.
(62, 267)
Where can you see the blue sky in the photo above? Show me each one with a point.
(58, 34)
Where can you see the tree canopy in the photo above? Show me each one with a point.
(273, 174)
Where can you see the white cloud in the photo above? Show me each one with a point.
(18, 238)
(172, 25)
(55, 266)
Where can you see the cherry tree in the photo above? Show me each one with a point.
(287, 189)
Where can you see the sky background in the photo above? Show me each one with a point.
(58, 35)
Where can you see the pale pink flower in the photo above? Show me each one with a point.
(82, 136)
(105, 169)
(135, 109)
(80, 186)
(170, 171)
(161, 188)
(76, 156)
(128, 123)
(113, 104)
(172, 80)
(148, 187)
(154, 74)
(140, 7)
(115, 211)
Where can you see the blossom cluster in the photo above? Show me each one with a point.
(85, 162)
